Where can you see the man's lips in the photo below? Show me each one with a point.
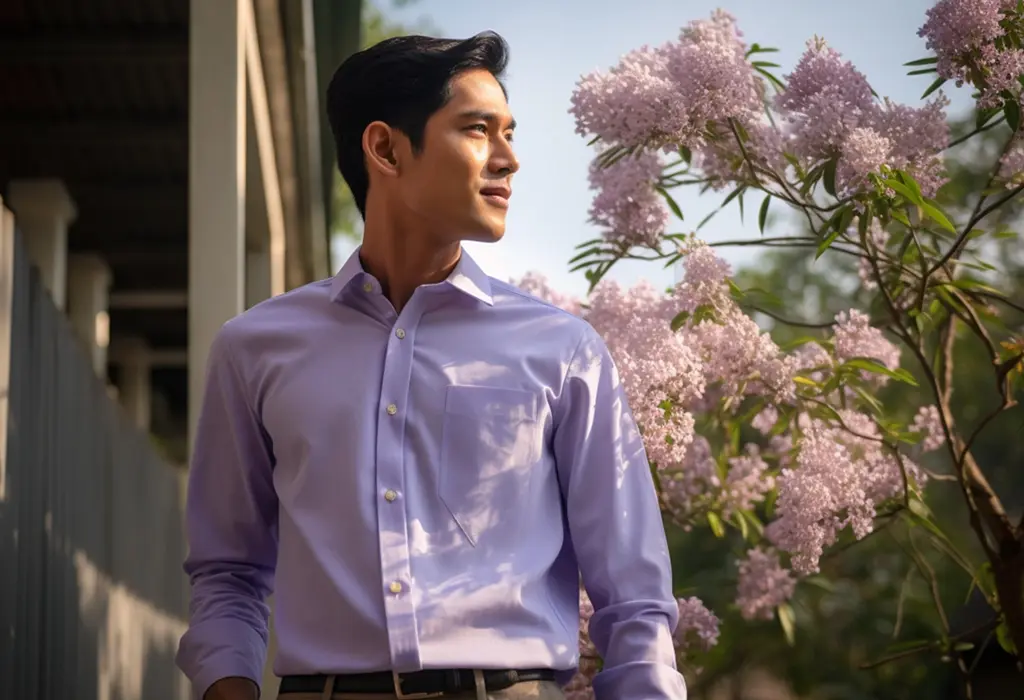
(497, 195)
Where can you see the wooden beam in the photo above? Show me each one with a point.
(114, 132)
(74, 44)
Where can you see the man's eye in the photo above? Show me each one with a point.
(482, 128)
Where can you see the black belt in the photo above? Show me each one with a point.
(419, 684)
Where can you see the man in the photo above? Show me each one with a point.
(427, 458)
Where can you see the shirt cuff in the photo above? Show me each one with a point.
(639, 681)
(223, 648)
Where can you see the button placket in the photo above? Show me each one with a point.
(392, 515)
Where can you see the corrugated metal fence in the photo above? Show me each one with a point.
(92, 598)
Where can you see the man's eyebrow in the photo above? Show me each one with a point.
(485, 116)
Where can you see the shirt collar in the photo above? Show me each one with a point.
(467, 277)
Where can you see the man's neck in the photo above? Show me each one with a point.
(401, 262)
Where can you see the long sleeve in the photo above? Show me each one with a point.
(617, 531)
(231, 520)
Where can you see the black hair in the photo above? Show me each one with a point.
(400, 81)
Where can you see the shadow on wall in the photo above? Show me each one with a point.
(92, 596)
(135, 642)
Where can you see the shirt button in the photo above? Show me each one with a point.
(400, 333)
(367, 287)
(395, 587)
(390, 495)
(392, 409)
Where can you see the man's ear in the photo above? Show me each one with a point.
(380, 148)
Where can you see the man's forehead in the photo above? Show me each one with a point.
(477, 89)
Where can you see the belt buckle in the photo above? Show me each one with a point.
(410, 696)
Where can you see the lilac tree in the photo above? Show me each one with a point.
(789, 448)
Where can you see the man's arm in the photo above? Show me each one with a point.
(232, 533)
(617, 531)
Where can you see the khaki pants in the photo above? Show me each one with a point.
(531, 690)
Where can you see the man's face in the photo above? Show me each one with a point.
(460, 182)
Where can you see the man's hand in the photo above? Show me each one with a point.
(233, 689)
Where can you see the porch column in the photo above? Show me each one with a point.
(135, 388)
(257, 277)
(43, 210)
(217, 111)
(88, 306)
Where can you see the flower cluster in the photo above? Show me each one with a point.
(856, 337)
(831, 113)
(627, 208)
(692, 351)
(657, 365)
(973, 45)
(763, 584)
(928, 423)
(702, 93)
(1011, 167)
(667, 95)
(843, 472)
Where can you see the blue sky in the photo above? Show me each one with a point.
(554, 43)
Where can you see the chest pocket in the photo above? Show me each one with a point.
(490, 443)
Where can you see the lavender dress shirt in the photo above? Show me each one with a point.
(422, 490)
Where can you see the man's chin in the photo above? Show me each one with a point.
(486, 235)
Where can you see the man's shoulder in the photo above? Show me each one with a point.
(542, 314)
(284, 312)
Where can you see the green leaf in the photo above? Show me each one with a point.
(920, 509)
(863, 221)
(762, 215)
(921, 515)
(907, 646)
(788, 621)
(586, 254)
(824, 245)
(754, 521)
(843, 219)
(1012, 111)
(933, 212)
(715, 523)
(983, 580)
(875, 367)
(900, 188)
(587, 244)
(686, 154)
(1004, 638)
(732, 195)
(830, 176)
(742, 524)
(797, 342)
(679, 320)
(771, 78)
(931, 60)
(922, 71)
(819, 581)
(985, 116)
(939, 82)
(874, 403)
(901, 217)
(908, 180)
(671, 202)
